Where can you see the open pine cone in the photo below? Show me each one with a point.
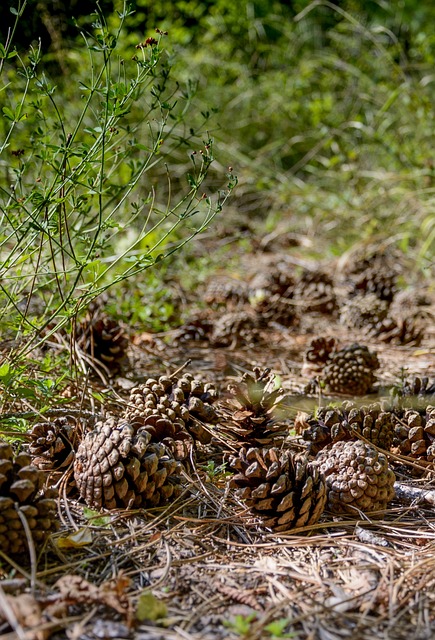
(358, 477)
(286, 493)
(351, 370)
(52, 443)
(277, 280)
(329, 425)
(226, 293)
(22, 493)
(173, 408)
(318, 353)
(315, 292)
(235, 328)
(252, 415)
(274, 308)
(117, 466)
(415, 434)
(103, 339)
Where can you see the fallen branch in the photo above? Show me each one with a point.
(414, 494)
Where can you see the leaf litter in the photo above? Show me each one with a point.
(198, 568)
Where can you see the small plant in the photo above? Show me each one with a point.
(89, 200)
(215, 473)
(241, 625)
(276, 629)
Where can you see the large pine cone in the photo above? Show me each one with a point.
(252, 415)
(415, 434)
(286, 493)
(351, 370)
(376, 279)
(374, 270)
(22, 492)
(329, 425)
(315, 292)
(358, 477)
(173, 408)
(117, 466)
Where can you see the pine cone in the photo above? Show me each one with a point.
(235, 328)
(364, 312)
(415, 434)
(252, 415)
(318, 353)
(22, 492)
(103, 339)
(330, 425)
(286, 493)
(52, 443)
(117, 466)
(358, 477)
(377, 280)
(409, 331)
(351, 370)
(172, 410)
(278, 280)
(374, 270)
(197, 327)
(227, 293)
(315, 291)
(274, 308)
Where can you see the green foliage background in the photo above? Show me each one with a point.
(324, 110)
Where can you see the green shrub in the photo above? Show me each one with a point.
(104, 175)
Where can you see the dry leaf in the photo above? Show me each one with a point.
(75, 540)
(28, 615)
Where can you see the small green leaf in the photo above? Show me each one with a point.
(95, 518)
(8, 113)
(150, 608)
(4, 370)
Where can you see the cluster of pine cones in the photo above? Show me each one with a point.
(337, 460)
(363, 294)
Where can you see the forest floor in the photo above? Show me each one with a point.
(203, 567)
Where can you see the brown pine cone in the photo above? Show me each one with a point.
(174, 408)
(235, 328)
(329, 425)
(103, 339)
(226, 292)
(358, 477)
(22, 493)
(117, 466)
(274, 308)
(415, 434)
(52, 443)
(252, 416)
(351, 370)
(286, 493)
(318, 353)
(277, 280)
(315, 292)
